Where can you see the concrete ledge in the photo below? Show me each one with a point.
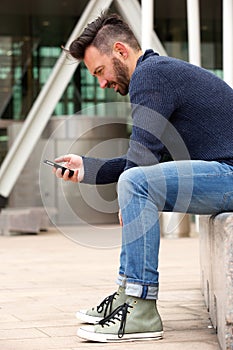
(23, 220)
(216, 255)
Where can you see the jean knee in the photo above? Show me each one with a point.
(126, 180)
(131, 182)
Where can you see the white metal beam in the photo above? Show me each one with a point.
(194, 42)
(131, 12)
(44, 106)
(228, 41)
(194, 45)
(147, 23)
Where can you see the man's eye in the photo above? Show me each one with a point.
(99, 72)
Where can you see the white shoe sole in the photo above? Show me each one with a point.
(88, 333)
(81, 315)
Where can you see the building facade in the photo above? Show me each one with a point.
(32, 34)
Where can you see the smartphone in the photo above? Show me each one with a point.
(57, 166)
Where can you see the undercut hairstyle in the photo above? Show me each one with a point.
(102, 33)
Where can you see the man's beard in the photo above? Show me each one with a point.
(121, 72)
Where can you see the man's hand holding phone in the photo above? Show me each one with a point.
(73, 162)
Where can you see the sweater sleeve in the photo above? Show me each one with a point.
(102, 171)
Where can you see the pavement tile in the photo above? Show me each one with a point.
(40, 343)
(59, 331)
(16, 333)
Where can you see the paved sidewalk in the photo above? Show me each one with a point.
(44, 279)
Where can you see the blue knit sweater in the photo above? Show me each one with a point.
(179, 111)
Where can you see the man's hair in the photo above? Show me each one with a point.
(102, 33)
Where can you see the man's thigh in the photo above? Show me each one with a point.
(195, 187)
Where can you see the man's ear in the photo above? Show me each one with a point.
(121, 49)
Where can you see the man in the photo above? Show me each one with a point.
(180, 158)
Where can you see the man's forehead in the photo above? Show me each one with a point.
(93, 58)
(91, 50)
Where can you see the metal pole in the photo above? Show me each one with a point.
(228, 41)
(194, 45)
(147, 24)
(194, 42)
(131, 12)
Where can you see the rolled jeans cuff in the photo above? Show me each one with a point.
(138, 290)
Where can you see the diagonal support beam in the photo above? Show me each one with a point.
(44, 105)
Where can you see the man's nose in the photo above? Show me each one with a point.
(103, 83)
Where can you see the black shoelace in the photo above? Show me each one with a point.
(119, 314)
(106, 304)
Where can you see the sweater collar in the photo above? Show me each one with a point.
(147, 53)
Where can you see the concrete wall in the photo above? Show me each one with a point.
(216, 254)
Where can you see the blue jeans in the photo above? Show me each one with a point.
(194, 187)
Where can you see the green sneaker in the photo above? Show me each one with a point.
(104, 309)
(136, 319)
